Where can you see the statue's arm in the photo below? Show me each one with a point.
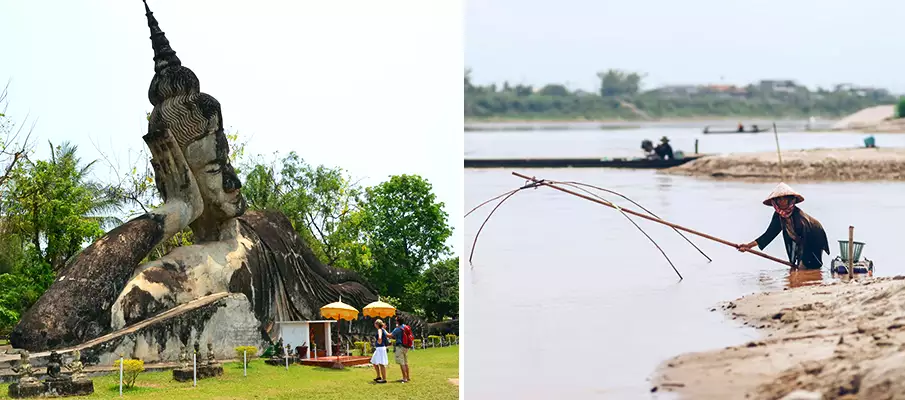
(77, 305)
(175, 182)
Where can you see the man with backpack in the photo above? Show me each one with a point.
(405, 340)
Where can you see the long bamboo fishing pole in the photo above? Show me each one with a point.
(782, 174)
(647, 217)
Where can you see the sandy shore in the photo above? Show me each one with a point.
(844, 340)
(803, 165)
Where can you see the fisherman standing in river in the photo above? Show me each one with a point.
(803, 235)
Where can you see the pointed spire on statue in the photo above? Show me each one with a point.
(164, 55)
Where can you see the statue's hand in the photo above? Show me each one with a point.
(175, 181)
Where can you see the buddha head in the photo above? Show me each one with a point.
(195, 121)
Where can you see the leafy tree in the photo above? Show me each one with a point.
(468, 86)
(614, 82)
(321, 202)
(554, 90)
(406, 229)
(900, 108)
(619, 97)
(54, 205)
(22, 286)
(436, 291)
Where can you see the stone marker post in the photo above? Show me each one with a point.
(121, 362)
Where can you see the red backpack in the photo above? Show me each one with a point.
(408, 339)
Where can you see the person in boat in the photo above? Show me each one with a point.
(803, 235)
(664, 150)
(754, 128)
(648, 148)
(741, 128)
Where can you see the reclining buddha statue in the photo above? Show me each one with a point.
(252, 253)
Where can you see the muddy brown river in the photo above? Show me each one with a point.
(567, 299)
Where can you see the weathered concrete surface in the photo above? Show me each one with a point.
(202, 372)
(443, 327)
(226, 320)
(858, 164)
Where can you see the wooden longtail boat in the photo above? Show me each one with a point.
(707, 131)
(628, 163)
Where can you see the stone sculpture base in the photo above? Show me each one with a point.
(21, 390)
(276, 362)
(68, 387)
(204, 371)
(52, 388)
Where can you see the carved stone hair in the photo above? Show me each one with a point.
(175, 93)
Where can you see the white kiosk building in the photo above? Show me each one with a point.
(314, 334)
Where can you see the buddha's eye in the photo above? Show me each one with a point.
(216, 170)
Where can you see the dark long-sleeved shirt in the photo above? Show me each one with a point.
(811, 239)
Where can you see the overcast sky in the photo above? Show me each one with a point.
(693, 41)
(373, 87)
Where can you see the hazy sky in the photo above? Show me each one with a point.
(694, 41)
(374, 87)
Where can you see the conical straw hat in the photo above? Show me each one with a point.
(783, 190)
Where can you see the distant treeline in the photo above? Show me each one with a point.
(620, 97)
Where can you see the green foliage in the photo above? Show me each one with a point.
(416, 343)
(49, 210)
(52, 204)
(435, 293)
(268, 352)
(388, 233)
(131, 369)
(620, 91)
(450, 338)
(22, 287)
(434, 369)
(363, 348)
(619, 83)
(900, 108)
(434, 340)
(246, 351)
(321, 202)
(406, 229)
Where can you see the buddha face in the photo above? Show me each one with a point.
(218, 183)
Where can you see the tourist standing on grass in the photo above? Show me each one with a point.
(405, 340)
(379, 359)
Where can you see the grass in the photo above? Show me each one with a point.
(431, 370)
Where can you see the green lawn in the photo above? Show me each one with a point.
(431, 370)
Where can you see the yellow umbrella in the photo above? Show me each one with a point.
(339, 311)
(379, 309)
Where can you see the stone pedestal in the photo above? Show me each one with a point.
(20, 390)
(276, 362)
(204, 371)
(68, 387)
(82, 387)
